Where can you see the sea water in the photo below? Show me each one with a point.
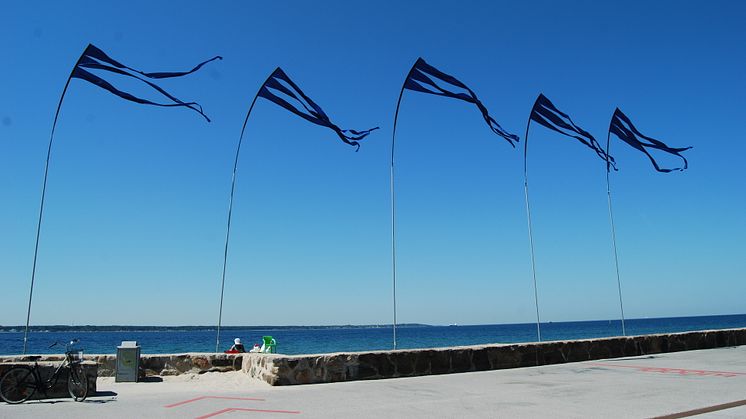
(309, 340)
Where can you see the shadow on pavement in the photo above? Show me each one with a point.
(104, 394)
(106, 397)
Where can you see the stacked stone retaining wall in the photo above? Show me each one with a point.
(326, 368)
(150, 365)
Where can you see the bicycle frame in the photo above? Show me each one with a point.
(48, 384)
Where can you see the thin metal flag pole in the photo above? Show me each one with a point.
(230, 214)
(613, 234)
(393, 211)
(393, 200)
(393, 239)
(41, 206)
(530, 232)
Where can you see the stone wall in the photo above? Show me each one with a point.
(325, 368)
(165, 364)
(150, 365)
(277, 369)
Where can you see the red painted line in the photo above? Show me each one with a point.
(185, 402)
(212, 397)
(679, 371)
(243, 409)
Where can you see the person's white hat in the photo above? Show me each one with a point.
(237, 341)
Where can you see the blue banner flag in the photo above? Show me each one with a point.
(545, 113)
(96, 59)
(623, 128)
(427, 79)
(281, 90)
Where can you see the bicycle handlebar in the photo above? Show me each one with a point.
(72, 342)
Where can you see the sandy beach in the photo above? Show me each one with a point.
(212, 381)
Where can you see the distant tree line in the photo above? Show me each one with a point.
(120, 328)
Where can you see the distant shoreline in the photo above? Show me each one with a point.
(120, 328)
(125, 328)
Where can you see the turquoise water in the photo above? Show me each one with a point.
(322, 340)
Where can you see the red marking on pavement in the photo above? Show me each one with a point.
(243, 409)
(211, 397)
(679, 371)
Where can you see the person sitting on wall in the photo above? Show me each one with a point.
(237, 346)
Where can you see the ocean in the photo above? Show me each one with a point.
(309, 340)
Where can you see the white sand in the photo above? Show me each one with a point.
(207, 382)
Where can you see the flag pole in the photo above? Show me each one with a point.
(41, 206)
(393, 200)
(613, 233)
(393, 212)
(530, 232)
(230, 214)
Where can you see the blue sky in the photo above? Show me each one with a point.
(137, 195)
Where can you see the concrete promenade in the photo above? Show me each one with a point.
(704, 384)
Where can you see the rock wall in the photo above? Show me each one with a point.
(277, 369)
(327, 368)
(263, 367)
(150, 365)
(165, 364)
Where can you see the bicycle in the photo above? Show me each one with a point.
(19, 383)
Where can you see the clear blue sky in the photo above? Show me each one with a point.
(137, 195)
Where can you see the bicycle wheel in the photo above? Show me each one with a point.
(17, 385)
(77, 383)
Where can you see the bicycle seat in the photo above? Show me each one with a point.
(34, 357)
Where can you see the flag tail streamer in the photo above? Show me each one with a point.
(425, 78)
(622, 127)
(95, 58)
(282, 91)
(95, 53)
(545, 113)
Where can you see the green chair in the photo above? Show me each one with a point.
(270, 345)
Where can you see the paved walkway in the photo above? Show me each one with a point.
(700, 384)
